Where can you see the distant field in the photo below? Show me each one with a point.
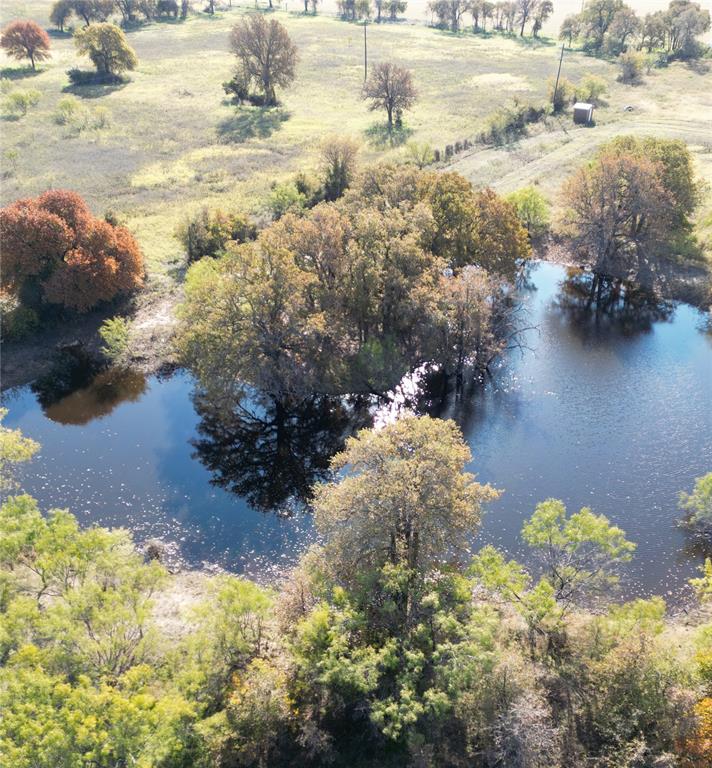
(174, 143)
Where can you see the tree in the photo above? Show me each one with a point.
(61, 13)
(570, 28)
(470, 339)
(15, 448)
(474, 228)
(403, 499)
(686, 22)
(266, 56)
(391, 88)
(676, 173)
(56, 252)
(274, 335)
(449, 12)
(619, 211)
(543, 11)
(698, 504)
(88, 10)
(338, 161)
(525, 11)
(395, 7)
(596, 17)
(654, 31)
(532, 209)
(578, 553)
(25, 39)
(624, 26)
(107, 47)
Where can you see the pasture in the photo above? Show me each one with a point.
(168, 141)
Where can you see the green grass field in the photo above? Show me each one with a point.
(173, 143)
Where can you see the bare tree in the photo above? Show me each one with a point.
(266, 56)
(391, 88)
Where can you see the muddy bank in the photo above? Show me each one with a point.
(152, 319)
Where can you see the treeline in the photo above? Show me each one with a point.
(612, 27)
(508, 16)
(389, 644)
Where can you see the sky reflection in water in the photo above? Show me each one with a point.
(614, 413)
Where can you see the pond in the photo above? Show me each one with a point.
(610, 410)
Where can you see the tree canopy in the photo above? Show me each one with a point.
(632, 202)
(353, 294)
(266, 58)
(25, 39)
(390, 88)
(106, 45)
(382, 647)
(56, 252)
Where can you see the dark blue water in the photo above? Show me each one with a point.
(611, 411)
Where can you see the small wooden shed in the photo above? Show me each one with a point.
(583, 113)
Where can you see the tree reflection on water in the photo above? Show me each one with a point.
(598, 302)
(270, 452)
(77, 390)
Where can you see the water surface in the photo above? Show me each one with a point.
(613, 412)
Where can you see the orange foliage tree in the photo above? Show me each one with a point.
(25, 39)
(56, 252)
(697, 748)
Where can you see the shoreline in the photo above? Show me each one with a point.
(153, 319)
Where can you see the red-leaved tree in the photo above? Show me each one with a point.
(55, 252)
(25, 39)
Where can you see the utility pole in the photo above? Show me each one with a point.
(365, 53)
(558, 74)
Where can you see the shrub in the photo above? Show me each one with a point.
(510, 122)
(207, 234)
(532, 209)
(17, 103)
(114, 332)
(565, 93)
(421, 154)
(631, 68)
(10, 156)
(83, 77)
(17, 321)
(286, 198)
(71, 112)
(67, 108)
(591, 89)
